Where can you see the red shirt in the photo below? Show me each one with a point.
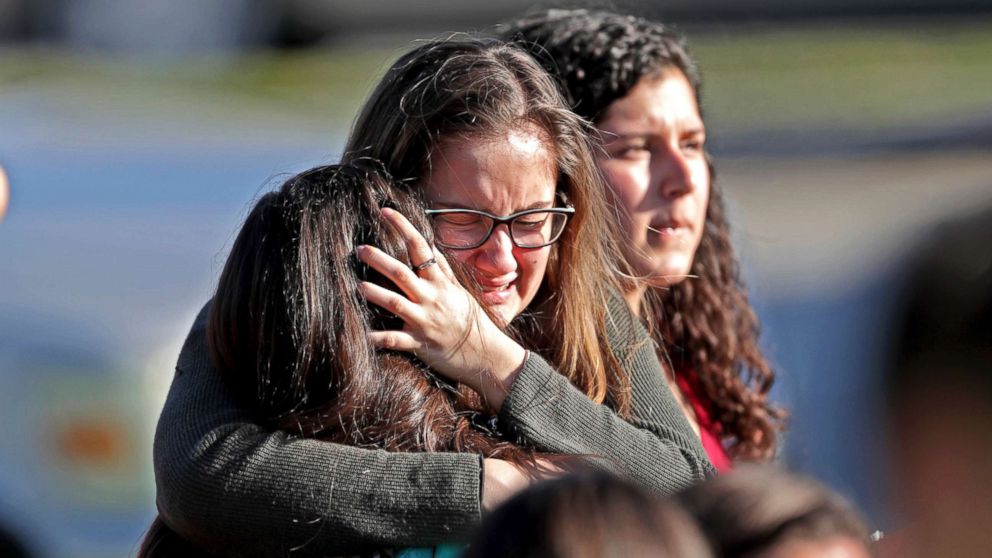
(710, 431)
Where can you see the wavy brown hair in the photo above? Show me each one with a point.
(450, 90)
(289, 330)
(706, 324)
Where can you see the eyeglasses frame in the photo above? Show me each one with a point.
(507, 220)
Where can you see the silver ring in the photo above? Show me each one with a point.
(424, 265)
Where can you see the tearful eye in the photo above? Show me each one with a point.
(464, 219)
(531, 223)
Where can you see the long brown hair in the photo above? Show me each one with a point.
(289, 330)
(448, 90)
(706, 323)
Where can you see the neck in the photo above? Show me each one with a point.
(634, 296)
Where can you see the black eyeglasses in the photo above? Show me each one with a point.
(464, 229)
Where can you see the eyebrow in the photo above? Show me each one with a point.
(609, 137)
(535, 205)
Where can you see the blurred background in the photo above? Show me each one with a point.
(136, 134)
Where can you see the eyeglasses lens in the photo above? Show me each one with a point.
(468, 230)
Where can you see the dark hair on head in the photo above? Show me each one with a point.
(289, 330)
(470, 89)
(755, 508)
(599, 56)
(944, 319)
(588, 515)
(162, 542)
(705, 323)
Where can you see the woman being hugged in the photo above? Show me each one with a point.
(637, 83)
(477, 130)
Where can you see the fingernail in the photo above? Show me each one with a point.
(386, 212)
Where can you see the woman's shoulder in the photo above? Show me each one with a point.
(194, 349)
(623, 328)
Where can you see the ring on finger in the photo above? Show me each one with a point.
(424, 265)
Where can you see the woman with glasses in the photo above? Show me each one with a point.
(478, 131)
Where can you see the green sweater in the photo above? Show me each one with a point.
(229, 484)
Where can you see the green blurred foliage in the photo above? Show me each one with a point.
(856, 76)
(853, 77)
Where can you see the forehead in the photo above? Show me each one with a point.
(501, 174)
(657, 101)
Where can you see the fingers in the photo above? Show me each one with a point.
(391, 301)
(444, 266)
(396, 271)
(417, 247)
(395, 340)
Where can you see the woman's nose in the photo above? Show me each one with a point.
(496, 255)
(673, 174)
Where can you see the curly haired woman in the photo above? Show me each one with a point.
(635, 80)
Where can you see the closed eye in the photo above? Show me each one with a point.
(460, 219)
(694, 141)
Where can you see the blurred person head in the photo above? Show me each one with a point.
(588, 516)
(478, 124)
(635, 80)
(764, 512)
(939, 388)
(4, 193)
(290, 331)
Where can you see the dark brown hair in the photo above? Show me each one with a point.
(588, 515)
(452, 90)
(706, 323)
(162, 542)
(754, 508)
(289, 330)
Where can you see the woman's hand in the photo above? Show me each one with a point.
(443, 324)
(502, 480)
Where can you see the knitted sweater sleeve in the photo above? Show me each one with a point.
(225, 482)
(656, 448)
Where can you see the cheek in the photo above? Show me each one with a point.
(702, 195)
(627, 185)
(532, 265)
(466, 258)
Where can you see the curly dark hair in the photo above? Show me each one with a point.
(706, 325)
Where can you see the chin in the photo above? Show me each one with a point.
(505, 313)
(670, 272)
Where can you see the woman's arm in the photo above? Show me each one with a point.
(656, 448)
(445, 328)
(225, 482)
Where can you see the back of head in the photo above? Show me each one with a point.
(588, 516)
(945, 322)
(599, 56)
(757, 510)
(162, 542)
(289, 329)
(939, 389)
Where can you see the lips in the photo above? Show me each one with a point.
(670, 227)
(497, 290)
